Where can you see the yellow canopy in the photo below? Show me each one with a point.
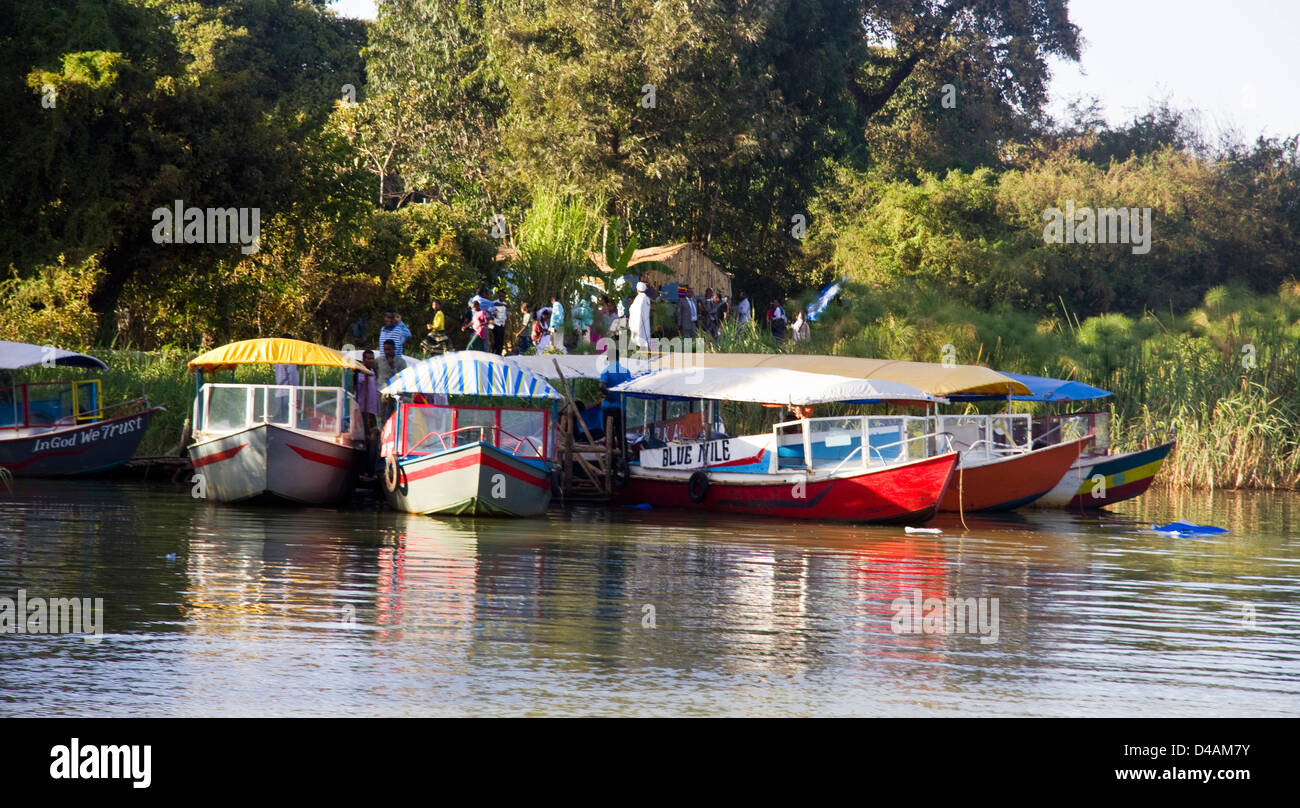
(935, 379)
(274, 351)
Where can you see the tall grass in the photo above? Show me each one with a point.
(1222, 376)
(553, 242)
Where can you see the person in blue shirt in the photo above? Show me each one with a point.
(395, 330)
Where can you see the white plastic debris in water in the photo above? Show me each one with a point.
(911, 529)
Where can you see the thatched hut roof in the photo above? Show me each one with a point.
(687, 263)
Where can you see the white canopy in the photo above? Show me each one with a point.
(15, 355)
(578, 366)
(770, 385)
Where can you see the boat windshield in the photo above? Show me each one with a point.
(51, 404)
(991, 435)
(828, 444)
(434, 428)
(1053, 429)
(234, 407)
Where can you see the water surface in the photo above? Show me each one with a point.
(230, 611)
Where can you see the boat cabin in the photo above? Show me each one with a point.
(324, 411)
(430, 429)
(46, 405)
(673, 421)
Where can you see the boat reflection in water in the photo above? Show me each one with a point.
(232, 610)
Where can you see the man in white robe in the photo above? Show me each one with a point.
(639, 318)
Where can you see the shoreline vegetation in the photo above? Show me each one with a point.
(1221, 376)
(340, 168)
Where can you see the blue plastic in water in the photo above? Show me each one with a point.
(644, 506)
(1188, 529)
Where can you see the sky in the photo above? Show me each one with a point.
(1236, 62)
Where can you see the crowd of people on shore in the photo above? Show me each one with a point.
(554, 327)
(549, 327)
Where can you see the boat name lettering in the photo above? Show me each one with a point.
(718, 451)
(89, 435)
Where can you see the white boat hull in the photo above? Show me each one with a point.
(268, 461)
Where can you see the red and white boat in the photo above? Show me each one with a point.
(853, 468)
(470, 459)
(300, 444)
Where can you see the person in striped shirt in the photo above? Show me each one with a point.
(395, 330)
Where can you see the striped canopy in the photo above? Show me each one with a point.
(469, 373)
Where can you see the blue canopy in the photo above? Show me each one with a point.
(1044, 389)
(469, 373)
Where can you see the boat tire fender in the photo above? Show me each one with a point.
(390, 473)
(697, 487)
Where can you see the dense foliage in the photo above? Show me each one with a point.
(901, 144)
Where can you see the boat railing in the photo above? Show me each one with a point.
(836, 441)
(450, 440)
(88, 416)
(224, 408)
(72, 403)
(996, 435)
(1053, 429)
(902, 456)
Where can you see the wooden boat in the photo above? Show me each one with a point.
(1097, 477)
(56, 429)
(1101, 477)
(469, 459)
(854, 468)
(301, 444)
(1000, 469)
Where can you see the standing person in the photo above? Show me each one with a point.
(744, 312)
(286, 375)
(777, 315)
(542, 329)
(368, 400)
(498, 326)
(484, 302)
(710, 312)
(557, 321)
(687, 313)
(800, 331)
(388, 365)
(582, 319)
(395, 330)
(719, 314)
(436, 341)
(639, 318)
(524, 336)
(478, 323)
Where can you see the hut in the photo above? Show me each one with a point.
(686, 263)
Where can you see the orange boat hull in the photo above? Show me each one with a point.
(1011, 481)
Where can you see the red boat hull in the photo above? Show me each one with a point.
(908, 493)
(1012, 481)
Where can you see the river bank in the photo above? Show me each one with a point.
(1237, 425)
